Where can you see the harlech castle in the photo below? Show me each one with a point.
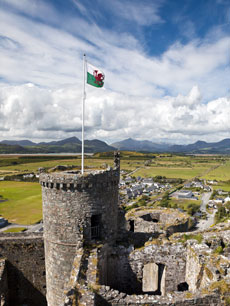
(90, 253)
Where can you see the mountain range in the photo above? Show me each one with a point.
(73, 145)
(69, 145)
(140, 145)
(199, 147)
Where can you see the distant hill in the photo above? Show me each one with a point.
(199, 147)
(62, 142)
(11, 149)
(140, 145)
(73, 145)
(221, 147)
(23, 143)
(69, 145)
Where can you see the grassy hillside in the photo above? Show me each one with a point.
(21, 202)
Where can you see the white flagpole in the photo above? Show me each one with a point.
(83, 116)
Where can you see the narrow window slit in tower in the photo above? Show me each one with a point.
(95, 226)
(131, 226)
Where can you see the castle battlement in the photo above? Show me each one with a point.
(76, 181)
(77, 209)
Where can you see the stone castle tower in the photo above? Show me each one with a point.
(77, 209)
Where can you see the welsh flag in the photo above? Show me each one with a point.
(95, 76)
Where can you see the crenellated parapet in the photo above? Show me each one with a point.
(77, 209)
(75, 181)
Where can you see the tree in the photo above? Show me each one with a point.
(214, 193)
(165, 200)
(192, 209)
(220, 214)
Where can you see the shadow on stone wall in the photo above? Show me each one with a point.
(138, 239)
(125, 280)
(21, 291)
(99, 300)
(115, 270)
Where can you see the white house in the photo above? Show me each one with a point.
(147, 181)
(227, 199)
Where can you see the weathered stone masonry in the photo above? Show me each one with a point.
(76, 209)
(91, 260)
(25, 265)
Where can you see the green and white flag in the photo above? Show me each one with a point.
(95, 76)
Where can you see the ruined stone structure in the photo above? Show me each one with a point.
(76, 208)
(92, 257)
(158, 221)
(22, 269)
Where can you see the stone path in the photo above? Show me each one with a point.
(204, 224)
(128, 174)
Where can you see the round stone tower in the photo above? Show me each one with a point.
(76, 208)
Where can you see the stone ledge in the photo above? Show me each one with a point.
(68, 181)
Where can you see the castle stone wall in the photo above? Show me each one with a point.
(171, 257)
(3, 283)
(115, 270)
(25, 263)
(69, 202)
(106, 296)
(166, 221)
(123, 269)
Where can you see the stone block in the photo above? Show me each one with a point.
(150, 277)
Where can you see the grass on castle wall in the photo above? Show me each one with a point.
(24, 202)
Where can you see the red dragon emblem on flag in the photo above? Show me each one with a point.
(99, 78)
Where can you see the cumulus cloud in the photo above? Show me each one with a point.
(50, 56)
(194, 97)
(146, 97)
(28, 111)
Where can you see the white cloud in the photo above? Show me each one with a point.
(28, 111)
(38, 9)
(134, 103)
(138, 11)
(34, 52)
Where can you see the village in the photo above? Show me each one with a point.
(138, 191)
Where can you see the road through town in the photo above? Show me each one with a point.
(204, 224)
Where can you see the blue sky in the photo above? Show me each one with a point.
(167, 67)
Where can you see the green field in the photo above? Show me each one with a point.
(171, 166)
(187, 167)
(222, 185)
(15, 230)
(89, 162)
(33, 167)
(184, 203)
(221, 173)
(184, 173)
(23, 202)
